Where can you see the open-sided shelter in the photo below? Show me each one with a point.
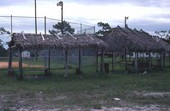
(65, 41)
(127, 40)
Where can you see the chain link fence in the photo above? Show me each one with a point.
(26, 24)
(18, 24)
(37, 65)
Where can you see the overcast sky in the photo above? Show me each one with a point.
(149, 15)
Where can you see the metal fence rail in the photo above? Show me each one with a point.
(57, 62)
(44, 24)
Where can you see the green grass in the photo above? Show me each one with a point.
(89, 90)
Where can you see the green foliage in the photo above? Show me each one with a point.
(3, 51)
(90, 90)
(58, 28)
(105, 28)
(3, 31)
(164, 34)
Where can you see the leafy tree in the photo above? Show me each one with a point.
(3, 31)
(163, 34)
(105, 28)
(58, 28)
(3, 51)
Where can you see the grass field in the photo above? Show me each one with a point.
(89, 91)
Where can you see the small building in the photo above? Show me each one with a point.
(26, 54)
(144, 55)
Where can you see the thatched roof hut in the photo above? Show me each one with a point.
(163, 42)
(133, 40)
(67, 41)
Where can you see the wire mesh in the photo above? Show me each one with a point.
(18, 24)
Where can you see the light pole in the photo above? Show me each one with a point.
(35, 3)
(62, 25)
(125, 21)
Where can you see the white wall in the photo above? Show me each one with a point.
(26, 54)
(153, 55)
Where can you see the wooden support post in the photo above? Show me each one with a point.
(66, 60)
(20, 77)
(64, 57)
(49, 60)
(164, 59)
(161, 59)
(125, 61)
(10, 62)
(150, 61)
(47, 68)
(169, 59)
(115, 59)
(45, 64)
(102, 61)
(79, 61)
(36, 54)
(97, 63)
(112, 62)
(136, 61)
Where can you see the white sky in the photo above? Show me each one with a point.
(149, 15)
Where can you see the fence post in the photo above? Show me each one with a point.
(85, 30)
(94, 29)
(45, 25)
(80, 28)
(11, 25)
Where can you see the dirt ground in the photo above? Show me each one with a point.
(16, 64)
(40, 101)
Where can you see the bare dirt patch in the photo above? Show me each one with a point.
(155, 95)
(4, 65)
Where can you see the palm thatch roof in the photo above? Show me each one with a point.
(66, 41)
(163, 42)
(133, 40)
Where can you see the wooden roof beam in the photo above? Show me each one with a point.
(23, 35)
(90, 37)
(71, 35)
(58, 36)
(42, 37)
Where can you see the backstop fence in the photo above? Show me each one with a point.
(44, 24)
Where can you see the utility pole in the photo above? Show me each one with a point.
(62, 25)
(35, 3)
(126, 18)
